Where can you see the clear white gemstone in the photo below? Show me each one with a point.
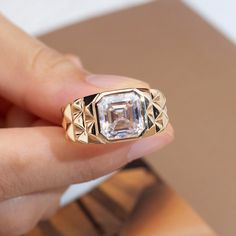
(122, 115)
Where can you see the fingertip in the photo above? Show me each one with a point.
(151, 144)
(169, 133)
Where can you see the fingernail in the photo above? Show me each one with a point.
(151, 144)
(112, 81)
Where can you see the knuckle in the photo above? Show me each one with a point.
(10, 182)
(45, 62)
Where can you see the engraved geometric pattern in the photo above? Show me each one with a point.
(82, 124)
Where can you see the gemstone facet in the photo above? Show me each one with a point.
(122, 115)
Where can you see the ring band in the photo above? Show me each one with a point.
(114, 116)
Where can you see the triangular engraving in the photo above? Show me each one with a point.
(79, 130)
(89, 99)
(90, 108)
(154, 92)
(76, 114)
(150, 123)
(67, 114)
(160, 100)
(83, 137)
(162, 120)
(78, 121)
(157, 128)
(70, 132)
(93, 130)
(155, 112)
(78, 104)
(88, 115)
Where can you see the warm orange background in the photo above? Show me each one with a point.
(175, 50)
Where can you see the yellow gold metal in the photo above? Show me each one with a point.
(81, 120)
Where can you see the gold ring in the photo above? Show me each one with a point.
(114, 116)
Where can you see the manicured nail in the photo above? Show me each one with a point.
(112, 81)
(151, 144)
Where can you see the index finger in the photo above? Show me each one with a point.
(42, 80)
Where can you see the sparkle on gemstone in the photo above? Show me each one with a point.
(121, 115)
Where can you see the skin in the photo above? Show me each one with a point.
(36, 162)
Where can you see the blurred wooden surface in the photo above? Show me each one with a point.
(134, 202)
(160, 211)
(103, 211)
(173, 49)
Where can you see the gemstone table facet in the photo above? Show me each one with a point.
(121, 115)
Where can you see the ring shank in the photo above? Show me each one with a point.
(81, 119)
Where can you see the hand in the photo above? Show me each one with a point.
(36, 162)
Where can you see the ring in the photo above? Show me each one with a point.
(114, 116)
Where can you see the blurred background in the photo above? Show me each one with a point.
(185, 48)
